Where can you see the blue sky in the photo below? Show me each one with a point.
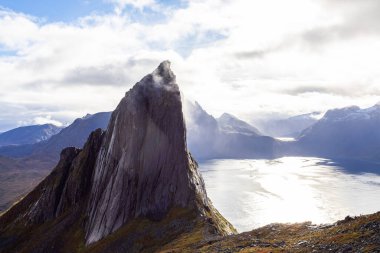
(256, 59)
(56, 11)
(70, 10)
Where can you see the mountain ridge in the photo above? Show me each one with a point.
(349, 132)
(28, 134)
(213, 138)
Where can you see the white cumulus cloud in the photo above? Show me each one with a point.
(251, 58)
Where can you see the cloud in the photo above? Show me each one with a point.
(121, 74)
(243, 57)
(138, 4)
(46, 120)
(12, 23)
(338, 90)
(251, 54)
(19, 114)
(354, 19)
(99, 75)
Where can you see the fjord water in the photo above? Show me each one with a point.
(254, 193)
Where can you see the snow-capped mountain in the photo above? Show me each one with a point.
(28, 134)
(349, 132)
(75, 135)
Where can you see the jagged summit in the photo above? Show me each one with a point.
(231, 124)
(132, 188)
(161, 77)
(143, 168)
(164, 71)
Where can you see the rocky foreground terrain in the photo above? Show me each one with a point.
(359, 234)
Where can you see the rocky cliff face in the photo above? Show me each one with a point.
(133, 188)
(145, 169)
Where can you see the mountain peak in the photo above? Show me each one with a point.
(163, 75)
(232, 124)
(227, 116)
(164, 68)
(147, 136)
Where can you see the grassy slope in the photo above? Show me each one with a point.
(181, 228)
(360, 234)
(17, 178)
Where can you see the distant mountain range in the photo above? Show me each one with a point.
(207, 137)
(348, 132)
(28, 134)
(224, 137)
(231, 124)
(74, 135)
(289, 127)
(23, 166)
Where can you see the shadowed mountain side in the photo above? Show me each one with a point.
(40, 221)
(349, 133)
(22, 167)
(226, 137)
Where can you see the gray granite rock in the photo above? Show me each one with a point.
(143, 168)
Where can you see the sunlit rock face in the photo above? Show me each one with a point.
(143, 168)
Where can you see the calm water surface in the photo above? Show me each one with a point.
(253, 193)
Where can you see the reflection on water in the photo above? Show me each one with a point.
(253, 193)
